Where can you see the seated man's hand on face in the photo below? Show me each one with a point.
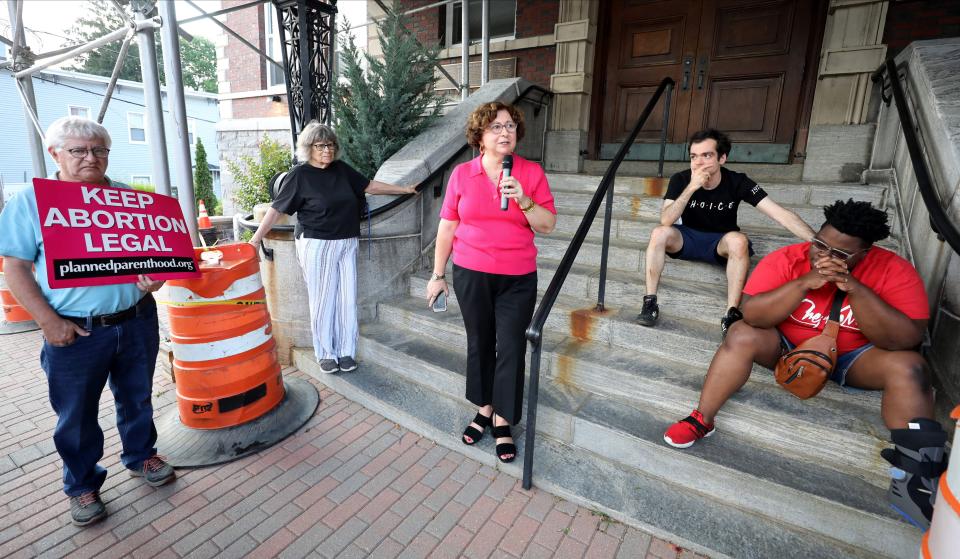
(834, 270)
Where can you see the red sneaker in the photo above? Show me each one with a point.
(688, 430)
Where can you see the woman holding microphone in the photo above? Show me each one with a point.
(494, 264)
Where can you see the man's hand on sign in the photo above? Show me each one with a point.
(147, 285)
(62, 332)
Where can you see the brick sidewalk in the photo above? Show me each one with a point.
(348, 484)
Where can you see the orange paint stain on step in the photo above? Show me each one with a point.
(583, 322)
(655, 186)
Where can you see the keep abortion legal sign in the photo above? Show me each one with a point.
(102, 235)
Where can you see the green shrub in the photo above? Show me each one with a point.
(142, 186)
(253, 175)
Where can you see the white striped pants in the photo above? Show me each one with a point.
(330, 270)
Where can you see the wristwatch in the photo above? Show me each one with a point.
(528, 208)
(436, 277)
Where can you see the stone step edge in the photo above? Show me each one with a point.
(304, 360)
(732, 416)
(778, 498)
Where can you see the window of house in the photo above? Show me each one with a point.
(192, 131)
(74, 110)
(140, 179)
(503, 15)
(274, 48)
(136, 124)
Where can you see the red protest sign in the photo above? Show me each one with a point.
(102, 235)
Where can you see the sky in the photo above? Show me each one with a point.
(47, 20)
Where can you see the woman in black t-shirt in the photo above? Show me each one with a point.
(327, 195)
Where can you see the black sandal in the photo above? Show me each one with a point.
(481, 420)
(500, 432)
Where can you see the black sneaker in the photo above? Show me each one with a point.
(347, 364)
(733, 315)
(155, 471)
(87, 508)
(329, 366)
(650, 311)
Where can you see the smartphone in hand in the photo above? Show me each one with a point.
(440, 302)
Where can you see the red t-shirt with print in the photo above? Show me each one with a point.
(891, 277)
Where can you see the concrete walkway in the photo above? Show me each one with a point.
(349, 484)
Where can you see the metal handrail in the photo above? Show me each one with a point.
(534, 332)
(939, 221)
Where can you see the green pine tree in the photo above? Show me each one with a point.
(203, 181)
(382, 108)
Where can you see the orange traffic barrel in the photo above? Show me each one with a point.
(224, 356)
(15, 318)
(942, 540)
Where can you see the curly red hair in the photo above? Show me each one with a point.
(482, 116)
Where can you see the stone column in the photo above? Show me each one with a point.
(572, 82)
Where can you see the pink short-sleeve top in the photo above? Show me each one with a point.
(488, 239)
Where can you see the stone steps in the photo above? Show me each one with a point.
(782, 477)
(606, 452)
(841, 435)
(690, 343)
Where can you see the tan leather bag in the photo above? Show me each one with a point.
(804, 370)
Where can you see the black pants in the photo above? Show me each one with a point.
(496, 311)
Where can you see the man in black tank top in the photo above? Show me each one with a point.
(698, 221)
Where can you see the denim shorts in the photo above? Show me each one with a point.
(844, 362)
(701, 245)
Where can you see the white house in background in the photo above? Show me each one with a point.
(61, 93)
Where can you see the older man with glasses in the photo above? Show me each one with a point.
(883, 314)
(91, 335)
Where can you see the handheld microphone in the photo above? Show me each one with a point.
(507, 168)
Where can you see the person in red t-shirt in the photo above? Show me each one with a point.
(884, 314)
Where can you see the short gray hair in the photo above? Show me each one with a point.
(312, 133)
(75, 127)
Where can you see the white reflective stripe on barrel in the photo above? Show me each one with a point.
(240, 288)
(221, 348)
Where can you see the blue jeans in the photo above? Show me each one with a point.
(124, 355)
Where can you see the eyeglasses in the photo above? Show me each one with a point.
(81, 153)
(497, 127)
(835, 252)
(328, 147)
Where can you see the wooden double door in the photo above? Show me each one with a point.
(739, 66)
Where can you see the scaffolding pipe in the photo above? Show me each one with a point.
(485, 43)
(147, 24)
(221, 12)
(465, 48)
(170, 41)
(121, 58)
(25, 87)
(154, 103)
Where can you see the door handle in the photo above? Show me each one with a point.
(687, 67)
(701, 71)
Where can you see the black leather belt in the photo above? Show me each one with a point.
(118, 317)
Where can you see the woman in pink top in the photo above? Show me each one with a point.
(494, 265)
